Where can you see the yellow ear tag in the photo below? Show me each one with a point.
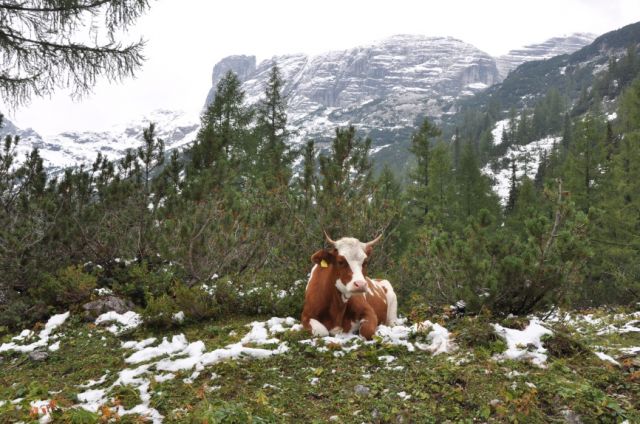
(324, 263)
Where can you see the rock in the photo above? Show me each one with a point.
(38, 355)
(571, 417)
(361, 390)
(106, 304)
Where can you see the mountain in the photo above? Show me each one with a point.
(597, 73)
(384, 89)
(571, 74)
(72, 148)
(552, 47)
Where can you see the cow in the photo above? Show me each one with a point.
(340, 297)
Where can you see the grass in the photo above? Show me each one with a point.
(468, 386)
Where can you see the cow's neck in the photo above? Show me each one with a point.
(336, 300)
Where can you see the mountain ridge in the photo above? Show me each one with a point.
(383, 88)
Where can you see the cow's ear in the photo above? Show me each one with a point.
(327, 255)
(368, 250)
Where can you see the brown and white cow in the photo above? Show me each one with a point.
(340, 297)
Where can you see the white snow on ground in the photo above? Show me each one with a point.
(95, 382)
(122, 322)
(524, 344)
(606, 357)
(404, 396)
(178, 317)
(527, 159)
(628, 327)
(438, 339)
(630, 350)
(42, 409)
(159, 361)
(618, 323)
(177, 354)
(153, 360)
(43, 337)
(498, 129)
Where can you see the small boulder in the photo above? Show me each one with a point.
(38, 355)
(106, 304)
(361, 390)
(571, 417)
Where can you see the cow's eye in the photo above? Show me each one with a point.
(341, 263)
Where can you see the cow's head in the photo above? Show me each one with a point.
(347, 260)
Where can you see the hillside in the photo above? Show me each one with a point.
(235, 370)
(570, 74)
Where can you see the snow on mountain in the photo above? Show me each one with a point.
(498, 129)
(71, 148)
(552, 47)
(386, 86)
(527, 160)
(384, 89)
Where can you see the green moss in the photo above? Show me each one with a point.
(126, 396)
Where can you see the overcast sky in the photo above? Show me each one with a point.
(186, 38)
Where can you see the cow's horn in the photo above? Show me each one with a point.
(374, 241)
(328, 238)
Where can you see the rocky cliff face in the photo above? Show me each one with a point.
(548, 49)
(387, 86)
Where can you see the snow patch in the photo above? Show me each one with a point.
(524, 344)
(607, 358)
(43, 337)
(122, 322)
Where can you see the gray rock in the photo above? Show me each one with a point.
(361, 390)
(38, 355)
(571, 417)
(106, 304)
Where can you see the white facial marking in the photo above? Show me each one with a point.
(318, 329)
(353, 251)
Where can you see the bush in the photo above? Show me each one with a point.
(68, 288)
(258, 294)
(195, 302)
(142, 281)
(159, 312)
(495, 268)
(562, 345)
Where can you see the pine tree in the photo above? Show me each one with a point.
(456, 149)
(272, 124)
(513, 188)
(224, 148)
(345, 178)
(41, 51)
(567, 132)
(586, 156)
(421, 147)
(474, 191)
(441, 191)
(308, 179)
